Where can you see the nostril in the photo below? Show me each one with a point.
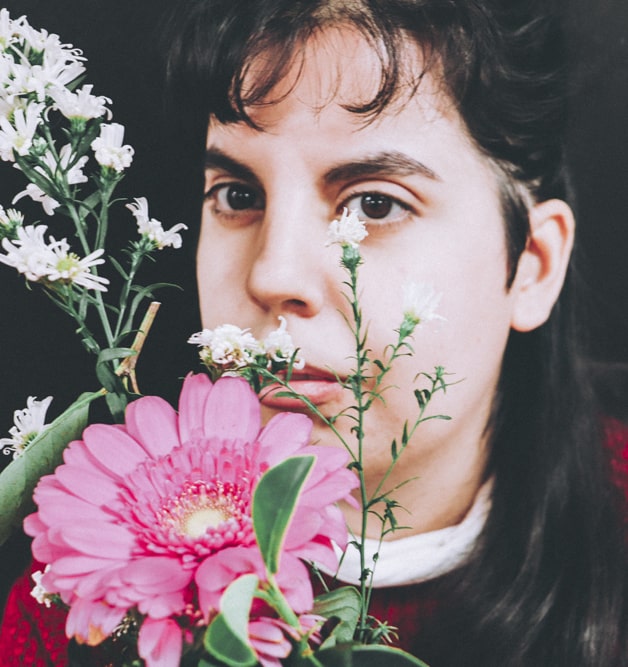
(295, 304)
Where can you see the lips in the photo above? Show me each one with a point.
(317, 386)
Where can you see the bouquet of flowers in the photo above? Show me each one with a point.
(186, 537)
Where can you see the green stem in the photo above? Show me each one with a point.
(98, 299)
(136, 260)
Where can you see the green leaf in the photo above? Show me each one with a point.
(41, 457)
(342, 604)
(358, 655)
(227, 636)
(274, 502)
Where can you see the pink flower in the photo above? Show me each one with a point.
(156, 514)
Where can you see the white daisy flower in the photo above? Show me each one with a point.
(153, 229)
(10, 220)
(17, 136)
(81, 103)
(29, 423)
(29, 253)
(420, 301)
(49, 204)
(53, 261)
(39, 592)
(279, 346)
(349, 230)
(109, 149)
(68, 267)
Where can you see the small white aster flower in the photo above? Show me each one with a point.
(227, 346)
(51, 262)
(348, 230)
(153, 229)
(10, 220)
(39, 592)
(279, 346)
(28, 253)
(49, 204)
(109, 149)
(17, 136)
(420, 301)
(81, 103)
(29, 423)
(68, 267)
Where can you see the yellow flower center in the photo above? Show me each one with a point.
(198, 521)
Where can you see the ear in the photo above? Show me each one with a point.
(542, 266)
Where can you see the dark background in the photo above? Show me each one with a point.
(39, 353)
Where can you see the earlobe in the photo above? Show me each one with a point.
(543, 264)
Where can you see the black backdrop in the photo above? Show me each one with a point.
(39, 354)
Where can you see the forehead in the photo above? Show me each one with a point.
(338, 66)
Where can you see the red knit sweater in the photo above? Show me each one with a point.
(34, 636)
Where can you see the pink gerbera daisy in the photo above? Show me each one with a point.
(157, 513)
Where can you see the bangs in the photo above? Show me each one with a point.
(249, 57)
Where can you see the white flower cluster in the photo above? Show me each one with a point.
(231, 348)
(38, 75)
(29, 423)
(153, 229)
(349, 230)
(52, 261)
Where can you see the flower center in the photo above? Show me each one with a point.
(202, 507)
(199, 521)
(69, 265)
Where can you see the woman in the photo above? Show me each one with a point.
(441, 124)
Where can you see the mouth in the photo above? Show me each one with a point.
(316, 385)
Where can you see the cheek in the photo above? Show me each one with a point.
(220, 274)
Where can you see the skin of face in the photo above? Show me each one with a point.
(436, 218)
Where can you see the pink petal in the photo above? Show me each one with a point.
(284, 434)
(160, 643)
(269, 642)
(194, 394)
(153, 423)
(294, 581)
(162, 606)
(74, 565)
(217, 571)
(85, 615)
(101, 540)
(88, 484)
(116, 451)
(232, 411)
(154, 575)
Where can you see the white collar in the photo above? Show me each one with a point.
(418, 558)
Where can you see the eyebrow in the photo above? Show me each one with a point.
(217, 159)
(385, 163)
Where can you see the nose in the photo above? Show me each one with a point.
(288, 273)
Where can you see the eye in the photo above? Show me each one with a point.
(229, 197)
(377, 206)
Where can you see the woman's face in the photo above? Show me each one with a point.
(430, 203)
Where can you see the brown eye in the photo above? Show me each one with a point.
(377, 208)
(240, 197)
(375, 205)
